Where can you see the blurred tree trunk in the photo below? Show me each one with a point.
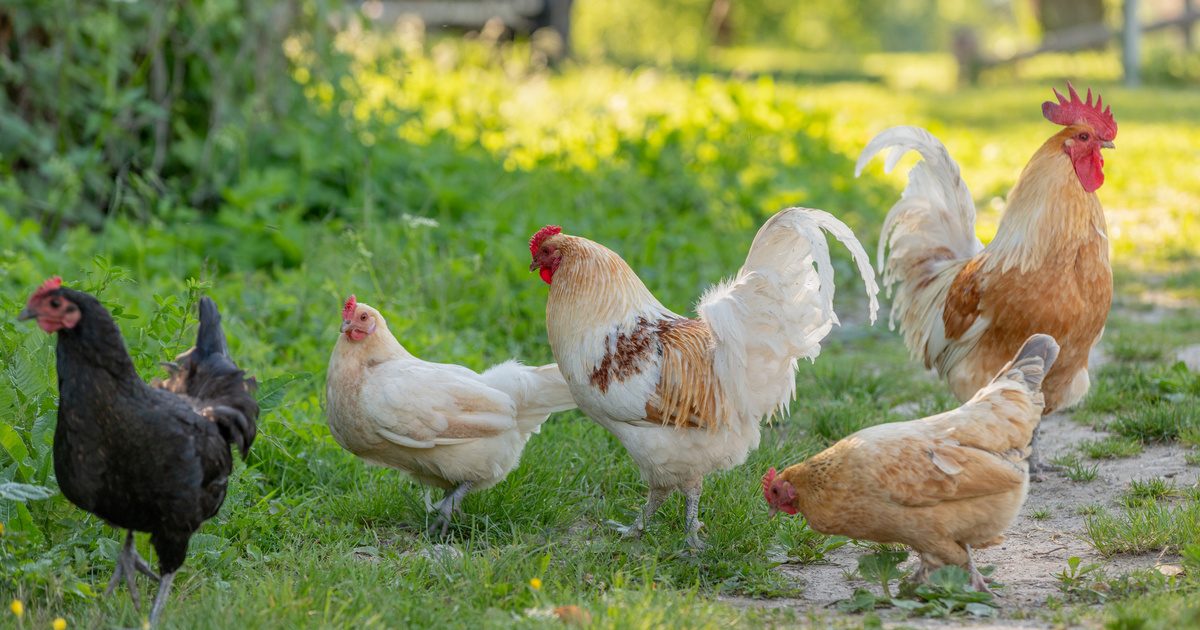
(720, 23)
(1185, 29)
(1061, 15)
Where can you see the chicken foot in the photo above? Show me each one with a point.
(129, 564)
(979, 581)
(654, 500)
(446, 508)
(160, 600)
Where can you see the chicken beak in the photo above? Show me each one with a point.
(533, 266)
(771, 514)
(1108, 144)
(345, 325)
(26, 313)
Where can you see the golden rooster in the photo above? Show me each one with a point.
(685, 396)
(941, 485)
(965, 308)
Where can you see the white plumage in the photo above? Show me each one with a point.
(445, 425)
(777, 309)
(686, 396)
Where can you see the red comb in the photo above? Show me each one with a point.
(47, 286)
(767, 479)
(348, 309)
(1074, 111)
(541, 235)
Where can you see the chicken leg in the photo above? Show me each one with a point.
(654, 500)
(160, 600)
(129, 564)
(446, 509)
(1038, 468)
(694, 524)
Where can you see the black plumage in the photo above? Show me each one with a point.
(144, 457)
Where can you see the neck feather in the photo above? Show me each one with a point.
(593, 284)
(1048, 211)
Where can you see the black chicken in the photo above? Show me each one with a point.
(149, 458)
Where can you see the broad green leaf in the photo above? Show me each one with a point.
(15, 447)
(980, 610)
(272, 392)
(24, 491)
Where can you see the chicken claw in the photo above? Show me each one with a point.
(654, 499)
(446, 508)
(160, 600)
(979, 581)
(1037, 467)
(129, 564)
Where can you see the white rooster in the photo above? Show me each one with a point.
(686, 396)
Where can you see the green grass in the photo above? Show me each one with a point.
(1111, 447)
(1144, 527)
(456, 157)
(1076, 470)
(1154, 516)
(1040, 514)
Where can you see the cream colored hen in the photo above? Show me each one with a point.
(941, 485)
(445, 425)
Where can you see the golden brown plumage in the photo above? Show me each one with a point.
(941, 485)
(963, 308)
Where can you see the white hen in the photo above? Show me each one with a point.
(445, 425)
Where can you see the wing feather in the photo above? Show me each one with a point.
(421, 405)
(926, 473)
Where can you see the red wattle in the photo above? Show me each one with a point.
(546, 274)
(1090, 170)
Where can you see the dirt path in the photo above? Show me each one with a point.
(1036, 549)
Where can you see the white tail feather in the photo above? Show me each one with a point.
(778, 308)
(935, 209)
(537, 391)
(926, 236)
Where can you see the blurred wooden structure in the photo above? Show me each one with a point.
(518, 16)
(972, 61)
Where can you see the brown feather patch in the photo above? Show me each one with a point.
(687, 393)
(625, 356)
(962, 302)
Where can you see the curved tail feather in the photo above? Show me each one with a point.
(778, 308)
(927, 236)
(209, 379)
(536, 391)
(210, 338)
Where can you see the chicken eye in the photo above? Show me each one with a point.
(1084, 136)
(362, 317)
(55, 303)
